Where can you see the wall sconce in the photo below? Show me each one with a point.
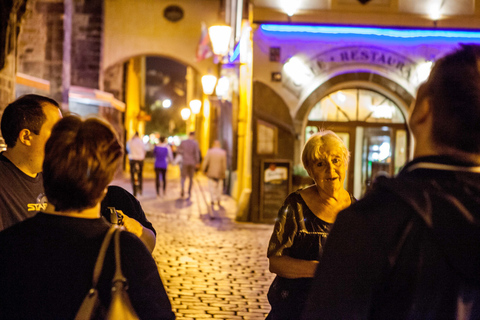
(185, 113)
(298, 71)
(290, 7)
(220, 37)
(208, 83)
(195, 105)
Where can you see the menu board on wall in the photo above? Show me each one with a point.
(276, 184)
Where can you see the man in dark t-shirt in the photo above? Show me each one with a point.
(21, 196)
(26, 126)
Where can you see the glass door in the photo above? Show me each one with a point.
(376, 156)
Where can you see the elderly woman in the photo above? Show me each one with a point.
(47, 261)
(304, 222)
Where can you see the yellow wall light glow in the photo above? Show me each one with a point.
(185, 113)
(223, 86)
(167, 103)
(220, 37)
(195, 106)
(208, 83)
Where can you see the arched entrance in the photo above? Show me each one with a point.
(147, 81)
(372, 125)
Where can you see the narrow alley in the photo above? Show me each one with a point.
(211, 266)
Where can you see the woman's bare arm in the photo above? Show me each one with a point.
(292, 268)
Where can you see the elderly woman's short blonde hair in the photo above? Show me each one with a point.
(312, 151)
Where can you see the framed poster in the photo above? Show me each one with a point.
(275, 185)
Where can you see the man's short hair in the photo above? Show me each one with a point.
(25, 112)
(81, 158)
(454, 92)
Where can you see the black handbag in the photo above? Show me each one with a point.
(120, 305)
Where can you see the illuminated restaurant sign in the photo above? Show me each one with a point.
(345, 56)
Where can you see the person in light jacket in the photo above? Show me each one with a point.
(214, 166)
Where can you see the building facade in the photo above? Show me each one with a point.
(346, 65)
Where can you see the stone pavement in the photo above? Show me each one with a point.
(212, 267)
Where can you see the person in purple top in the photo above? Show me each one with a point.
(163, 155)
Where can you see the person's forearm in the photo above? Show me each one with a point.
(146, 235)
(292, 268)
(148, 238)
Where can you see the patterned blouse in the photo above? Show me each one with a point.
(298, 232)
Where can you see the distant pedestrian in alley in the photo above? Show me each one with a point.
(190, 153)
(163, 156)
(214, 165)
(136, 154)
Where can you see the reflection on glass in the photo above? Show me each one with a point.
(400, 150)
(310, 131)
(378, 156)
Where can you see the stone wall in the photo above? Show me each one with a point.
(11, 12)
(40, 43)
(87, 28)
(44, 38)
(114, 81)
(7, 82)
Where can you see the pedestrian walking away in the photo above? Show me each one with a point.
(409, 248)
(214, 166)
(163, 156)
(136, 154)
(190, 153)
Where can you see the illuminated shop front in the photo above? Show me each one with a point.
(372, 126)
(359, 82)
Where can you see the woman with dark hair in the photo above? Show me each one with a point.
(47, 261)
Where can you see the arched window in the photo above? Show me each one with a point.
(356, 105)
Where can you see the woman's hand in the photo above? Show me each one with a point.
(292, 268)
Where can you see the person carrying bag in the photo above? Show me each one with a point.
(120, 305)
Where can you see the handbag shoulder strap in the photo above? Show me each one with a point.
(90, 303)
(120, 306)
(101, 255)
(118, 276)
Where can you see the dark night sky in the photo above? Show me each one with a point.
(166, 79)
(175, 70)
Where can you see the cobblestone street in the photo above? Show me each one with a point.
(211, 266)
